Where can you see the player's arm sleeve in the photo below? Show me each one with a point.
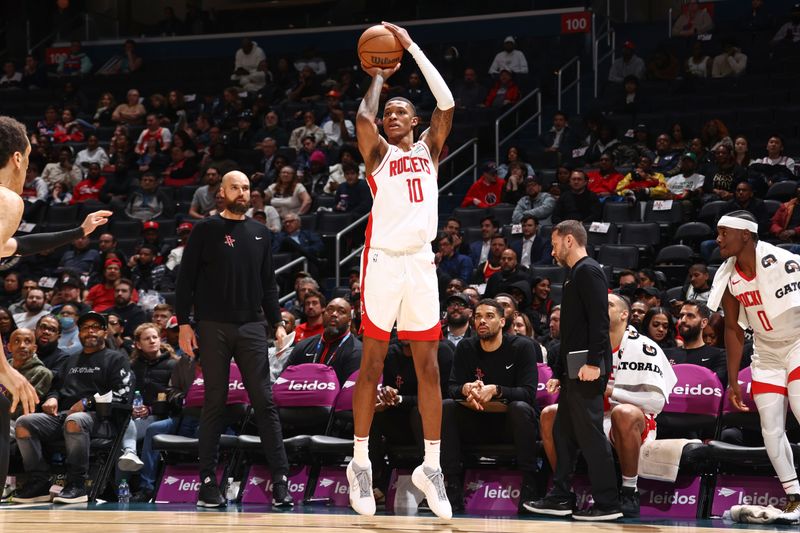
(40, 242)
(437, 85)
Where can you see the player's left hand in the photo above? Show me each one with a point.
(400, 33)
(384, 73)
(589, 373)
(93, 220)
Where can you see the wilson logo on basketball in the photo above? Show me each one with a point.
(379, 61)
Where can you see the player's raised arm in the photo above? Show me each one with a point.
(442, 118)
(371, 145)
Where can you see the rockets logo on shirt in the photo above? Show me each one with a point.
(749, 298)
(398, 381)
(408, 164)
(479, 374)
(229, 240)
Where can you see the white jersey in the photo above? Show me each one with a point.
(405, 208)
(746, 291)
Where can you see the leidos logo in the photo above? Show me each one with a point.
(293, 486)
(311, 386)
(764, 499)
(670, 497)
(501, 493)
(697, 390)
(235, 385)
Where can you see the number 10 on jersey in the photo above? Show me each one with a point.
(414, 190)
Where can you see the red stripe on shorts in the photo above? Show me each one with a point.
(766, 388)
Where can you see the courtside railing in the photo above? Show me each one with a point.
(575, 83)
(288, 268)
(610, 37)
(359, 223)
(516, 109)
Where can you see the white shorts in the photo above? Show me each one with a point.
(403, 288)
(775, 364)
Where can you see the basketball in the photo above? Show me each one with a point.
(378, 47)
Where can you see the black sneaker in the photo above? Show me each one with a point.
(629, 502)
(209, 494)
(280, 494)
(552, 505)
(528, 492)
(34, 491)
(596, 513)
(143, 496)
(74, 492)
(455, 493)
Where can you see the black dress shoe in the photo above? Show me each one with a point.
(595, 513)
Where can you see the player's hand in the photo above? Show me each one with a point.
(187, 340)
(93, 220)
(589, 373)
(466, 388)
(50, 407)
(280, 337)
(400, 33)
(735, 396)
(22, 392)
(609, 391)
(384, 73)
(483, 394)
(387, 396)
(553, 385)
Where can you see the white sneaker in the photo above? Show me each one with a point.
(791, 511)
(431, 483)
(361, 498)
(130, 462)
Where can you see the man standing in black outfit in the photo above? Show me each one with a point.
(228, 278)
(579, 422)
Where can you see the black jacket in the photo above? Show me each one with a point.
(86, 374)
(399, 373)
(344, 359)
(584, 207)
(153, 376)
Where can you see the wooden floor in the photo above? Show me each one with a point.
(66, 520)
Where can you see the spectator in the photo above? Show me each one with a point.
(724, 175)
(75, 63)
(266, 173)
(606, 142)
(89, 189)
(176, 254)
(161, 315)
(48, 335)
(131, 314)
(170, 24)
(204, 199)
(504, 92)
(19, 306)
(630, 100)
(510, 272)
(509, 59)
(758, 18)
(487, 191)
(693, 319)
(131, 112)
(775, 166)
(311, 59)
(243, 137)
(687, 183)
(785, 223)
(149, 201)
(69, 129)
(151, 235)
(698, 65)
(515, 183)
(789, 33)
(146, 274)
(416, 92)
(532, 249)
(33, 74)
(339, 130)
(64, 171)
(559, 138)
(693, 21)
(638, 311)
(663, 65)
(47, 126)
(153, 159)
(297, 140)
(457, 318)
(287, 194)
(271, 216)
(93, 153)
(628, 65)
(741, 151)
(603, 181)
(307, 89)
(248, 57)
(714, 332)
(353, 196)
(297, 241)
(730, 63)
(11, 289)
(541, 305)
(492, 265)
(7, 326)
(535, 203)
(101, 296)
(643, 183)
(666, 159)
(81, 257)
(313, 303)
(71, 97)
(515, 154)
(152, 365)
(334, 346)
(182, 170)
(68, 342)
(34, 192)
(699, 286)
(552, 339)
(450, 263)
(316, 174)
(479, 250)
(469, 93)
(68, 290)
(22, 352)
(273, 129)
(34, 309)
(128, 63)
(60, 195)
(577, 203)
(744, 200)
(154, 131)
(69, 408)
(659, 325)
(11, 79)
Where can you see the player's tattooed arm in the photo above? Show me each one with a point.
(371, 145)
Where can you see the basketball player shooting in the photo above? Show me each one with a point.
(758, 287)
(398, 275)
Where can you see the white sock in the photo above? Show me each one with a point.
(629, 482)
(432, 453)
(361, 451)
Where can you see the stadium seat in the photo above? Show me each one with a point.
(62, 214)
(598, 238)
(619, 212)
(674, 293)
(332, 223)
(280, 259)
(470, 217)
(502, 212)
(555, 273)
(693, 233)
(673, 260)
(619, 256)
(709, 213)
(644, 235)
(127, 229)
(782, 191)
(772, 207)
(308, 221)
(556, 290)
(664, 218)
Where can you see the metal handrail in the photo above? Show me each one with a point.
(497, 140)
(575, 83)
(287, 267)
(597, 59)
(48, 38)
(338, 253)
(669, 22)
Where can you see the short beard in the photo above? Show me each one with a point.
(457, 322)
(332, 332)
(692, 333)
(489, 336)
(236, 208)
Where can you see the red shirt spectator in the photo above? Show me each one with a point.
(101, 296)
(153, 131)
(603, 181)
(488, 190)
(505, 91)
(89, 189)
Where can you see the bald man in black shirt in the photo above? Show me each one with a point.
(228, 278)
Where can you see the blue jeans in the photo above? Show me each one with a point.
(185, 427)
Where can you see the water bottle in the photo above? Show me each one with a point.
(138, 401)
(124, 492)
(231, 491)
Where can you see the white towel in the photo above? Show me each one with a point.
(753, 514)
(660, 459)
(778, 273)
(642, 362)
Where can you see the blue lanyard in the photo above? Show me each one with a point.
(333, 354)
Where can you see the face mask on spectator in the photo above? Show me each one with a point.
(66, 322)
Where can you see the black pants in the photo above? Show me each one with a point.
(579, 425)
(5, 438)
(247, 344)
(393, 427)
(519, 425)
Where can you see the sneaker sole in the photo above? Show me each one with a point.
(601, 518)
(209, 505)
(33, 499)
(282, 505)
(351, 483)
(80, 499)
(548, 512)
(129, 465)
(424, 483)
